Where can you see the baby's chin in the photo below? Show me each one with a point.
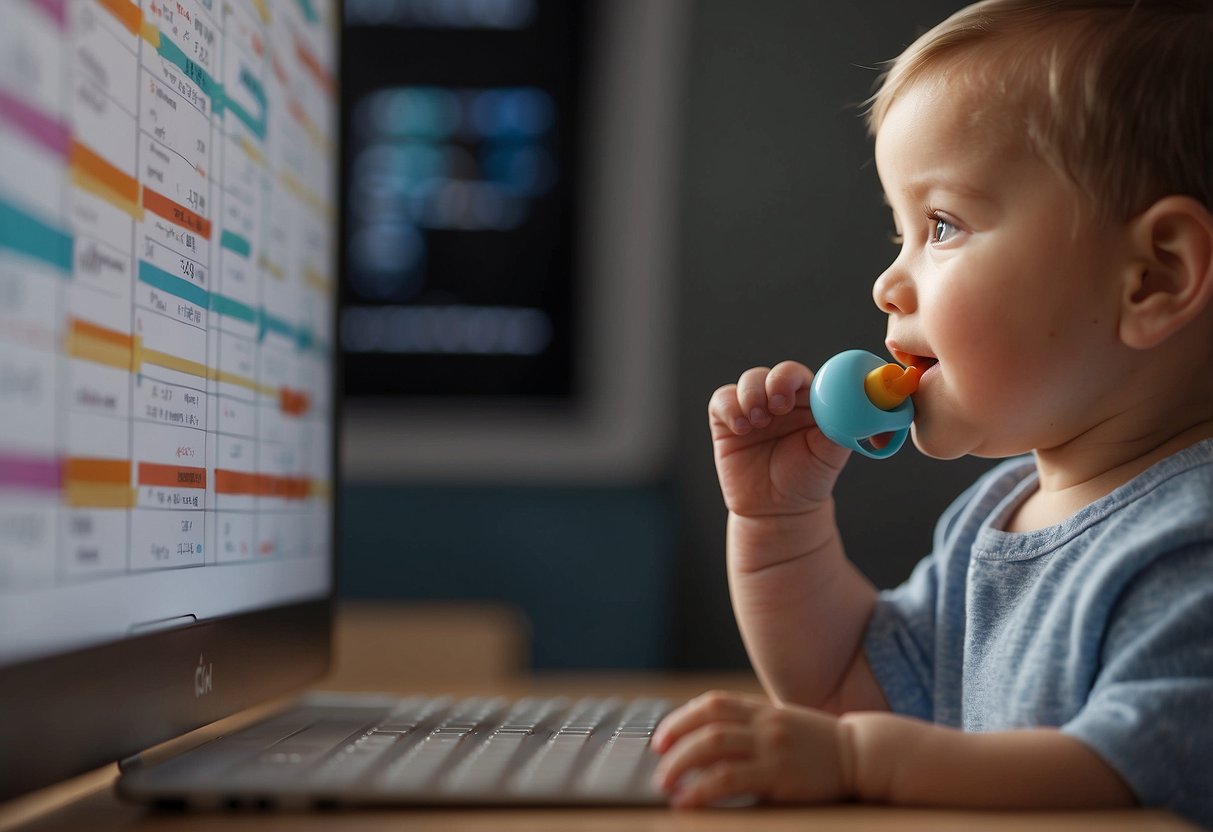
(953, 443)
(922, 439)
(949, 445)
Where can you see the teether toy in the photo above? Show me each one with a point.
(863, 403)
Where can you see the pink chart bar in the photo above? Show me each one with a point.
(30, 473)
(56, 10)
(43, 129)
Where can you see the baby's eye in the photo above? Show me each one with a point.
(942, 230)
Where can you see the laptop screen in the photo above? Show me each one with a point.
(167, 255)
(166, 273)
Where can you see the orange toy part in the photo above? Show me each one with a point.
(888, 386)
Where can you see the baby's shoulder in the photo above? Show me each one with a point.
(1171, 503)
(1156, 539)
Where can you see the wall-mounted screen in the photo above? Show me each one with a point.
(461, 126)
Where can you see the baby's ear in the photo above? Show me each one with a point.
(1169, 281)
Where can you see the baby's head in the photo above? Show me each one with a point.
(1116, 95)
(1049, 165)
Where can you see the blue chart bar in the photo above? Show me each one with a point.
(175, 286)
(233, 309)
(234, 242)
(28, 235)
(269, 323)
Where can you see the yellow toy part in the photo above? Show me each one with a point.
(888, 386)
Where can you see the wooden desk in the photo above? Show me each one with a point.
(88, 802)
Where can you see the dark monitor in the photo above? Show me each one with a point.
(512, 206)
(168, 243)
(463, 127)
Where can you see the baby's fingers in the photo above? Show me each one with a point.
(787, 385)
(713, 706)
(752, 396)
(722, 784)
(701, 748)
(724, 411)
(759, 395)
(740, 407)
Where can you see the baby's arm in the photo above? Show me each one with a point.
(802, 607)
(903, 761)
(722, 745)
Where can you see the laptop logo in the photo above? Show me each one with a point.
(204, 675)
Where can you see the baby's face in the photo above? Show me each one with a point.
(1002, 284)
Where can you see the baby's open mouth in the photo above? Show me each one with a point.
(922, 362)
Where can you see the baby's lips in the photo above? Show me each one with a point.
(906, 359)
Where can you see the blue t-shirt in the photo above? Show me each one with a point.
(1101, 625)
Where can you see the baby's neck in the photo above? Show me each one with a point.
(1079, 474)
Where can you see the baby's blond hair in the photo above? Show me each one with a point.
(1115, 94)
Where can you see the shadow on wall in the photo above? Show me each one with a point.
(590, 567)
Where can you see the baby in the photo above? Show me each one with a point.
(1049, 166)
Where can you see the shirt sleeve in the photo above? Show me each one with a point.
(903, 633)
(899, 642)
(1150, 712)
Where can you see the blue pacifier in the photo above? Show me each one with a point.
(863, 403)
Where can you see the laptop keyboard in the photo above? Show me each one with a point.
(344, 750)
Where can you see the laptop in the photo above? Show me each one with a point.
(168, 433)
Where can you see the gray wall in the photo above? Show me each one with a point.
(783, 233)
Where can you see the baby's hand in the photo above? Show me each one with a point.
(770, 456)
(724, 745)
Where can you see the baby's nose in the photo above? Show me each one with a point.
(894, 291)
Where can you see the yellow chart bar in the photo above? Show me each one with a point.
(150, 33)
(92, 173)
(99, 344)
(262, 10)
(172, 362)
(271, 268)
(243, 381)
(251, 150)
(309, 198)
(316, 280)
(92, 482)
(89, 185)
(98, 495)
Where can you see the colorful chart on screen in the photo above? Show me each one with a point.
(167, 236)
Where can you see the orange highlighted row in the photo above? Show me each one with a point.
(106, 483)
(248, 483)
(312, 64)
(118, 472)
(97, 483)
(176, 212)
(107, 471)
(171, 476)
(293, 402)
(93, 173)
(126, 12)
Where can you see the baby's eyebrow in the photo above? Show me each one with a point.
(918, 188)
